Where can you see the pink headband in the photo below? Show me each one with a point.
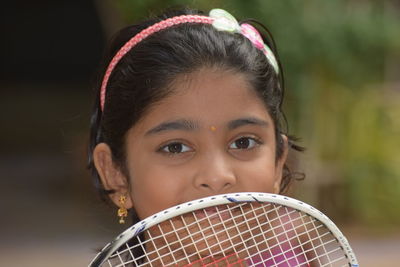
(219, 18)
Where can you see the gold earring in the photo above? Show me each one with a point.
(122, 211)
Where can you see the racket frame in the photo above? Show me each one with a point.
(211, 201)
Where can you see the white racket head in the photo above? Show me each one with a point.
(238, 229)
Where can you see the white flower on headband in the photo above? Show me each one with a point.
(223, 21)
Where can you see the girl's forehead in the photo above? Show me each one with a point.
(207, 97)
(212, 85)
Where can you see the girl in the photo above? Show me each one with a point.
(188, 106)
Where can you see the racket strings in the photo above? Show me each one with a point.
(209, 248)
(327, 249)
(239, 234)
(293, 248)
(267, 234)
(190, 235)
(280, 246)
(175, 229)
(288, 239)
(292, 225)
(327, 246)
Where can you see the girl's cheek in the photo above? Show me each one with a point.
(259, 152)
(246, 155)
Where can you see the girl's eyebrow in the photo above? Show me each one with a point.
(180, 124)
(188, 125)
(245, 121)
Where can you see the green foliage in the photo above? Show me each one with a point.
(336, 55)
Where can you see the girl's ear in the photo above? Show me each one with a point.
(111, 176)
(280, 164)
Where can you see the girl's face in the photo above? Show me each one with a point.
(213, 135)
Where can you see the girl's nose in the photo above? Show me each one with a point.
(215, 175)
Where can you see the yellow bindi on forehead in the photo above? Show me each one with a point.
(213, 128)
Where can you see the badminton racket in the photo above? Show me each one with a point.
(239, 229)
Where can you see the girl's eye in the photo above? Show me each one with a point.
(175, 148)
(244, 143)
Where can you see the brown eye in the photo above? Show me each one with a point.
(175, 148)
(244, 143)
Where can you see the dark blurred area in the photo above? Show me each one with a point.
(50, 41)
(343, 99)
(50, 51)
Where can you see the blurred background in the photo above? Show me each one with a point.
(342, 67)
